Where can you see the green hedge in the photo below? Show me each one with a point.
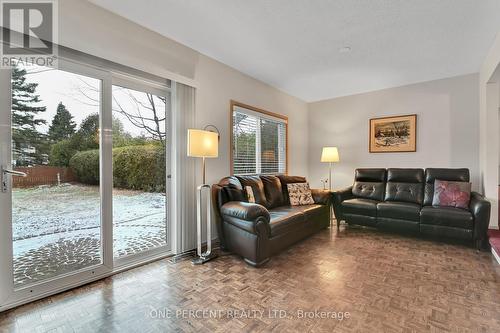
(134, 167)
(61, 153)
(85, 165)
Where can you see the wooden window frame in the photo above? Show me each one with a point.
(234, 104)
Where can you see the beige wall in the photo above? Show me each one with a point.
(447, 128)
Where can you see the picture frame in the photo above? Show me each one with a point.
(394, 134)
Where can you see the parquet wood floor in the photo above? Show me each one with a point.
(387, 283)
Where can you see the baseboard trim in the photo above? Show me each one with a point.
(495, 255)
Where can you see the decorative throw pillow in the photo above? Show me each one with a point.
(300, 194)
(250, 196)
(451, 194)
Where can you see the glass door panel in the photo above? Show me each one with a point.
(139, 171)
(56, 220)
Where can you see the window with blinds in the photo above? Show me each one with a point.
(258, 142)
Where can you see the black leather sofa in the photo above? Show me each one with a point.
(256, 231)
(401, 200)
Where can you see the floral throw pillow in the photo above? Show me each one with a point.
(250, 195)
(451, 194)
(300, 194)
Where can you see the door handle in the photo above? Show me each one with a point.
(13, 173)
(5, 178)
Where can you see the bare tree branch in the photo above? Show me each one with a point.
(143, 114)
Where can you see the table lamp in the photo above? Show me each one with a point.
(204, 144)
(330, 155)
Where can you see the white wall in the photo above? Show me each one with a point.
(114, 38)
(489, 127)
(218, 84)
(88, 28)
(447, 128)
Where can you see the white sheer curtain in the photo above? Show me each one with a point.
(183, 185)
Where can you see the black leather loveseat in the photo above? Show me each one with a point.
(259, 230)
(401, 200)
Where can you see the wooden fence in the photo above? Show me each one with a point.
(43, 175)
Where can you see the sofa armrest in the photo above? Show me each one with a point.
(322, 197)
(338, 197)
(250, 217)
(342, 195)
(481, 210)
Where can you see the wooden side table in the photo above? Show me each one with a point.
(332, 216)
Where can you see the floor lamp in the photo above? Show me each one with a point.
(330, 155)
(204, 144)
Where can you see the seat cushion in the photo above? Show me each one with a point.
(399, 210)
(285, 219)
(358, 206)
(447, 216)
(313, 211)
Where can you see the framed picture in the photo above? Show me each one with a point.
(393, 134)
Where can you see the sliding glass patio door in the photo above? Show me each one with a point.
(53, 163)
(84, 176)
(140, 169)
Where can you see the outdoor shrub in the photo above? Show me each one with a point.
(134, 167)
(139, 168)
(85, 165)
(61, 152)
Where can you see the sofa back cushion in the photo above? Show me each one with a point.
(285, 180)
(369, 184)
(273, 191)
(230, 189)
(431, 174)
(257, 187)
(406, 185)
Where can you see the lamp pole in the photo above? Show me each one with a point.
(330, 178)
(204, 165)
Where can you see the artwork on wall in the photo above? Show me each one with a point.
(393, 134)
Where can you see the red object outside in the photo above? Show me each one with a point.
(494, 238)
(43, 175)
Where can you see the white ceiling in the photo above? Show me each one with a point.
(294, 44)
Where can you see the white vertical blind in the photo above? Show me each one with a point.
(183, 186)
(259, 143)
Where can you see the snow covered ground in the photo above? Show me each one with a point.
(56, 230)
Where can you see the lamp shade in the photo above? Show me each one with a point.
(330, 154)
(202, 143)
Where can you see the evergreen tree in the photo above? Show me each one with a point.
(63, 126)
(24, 111)
(87, 136)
